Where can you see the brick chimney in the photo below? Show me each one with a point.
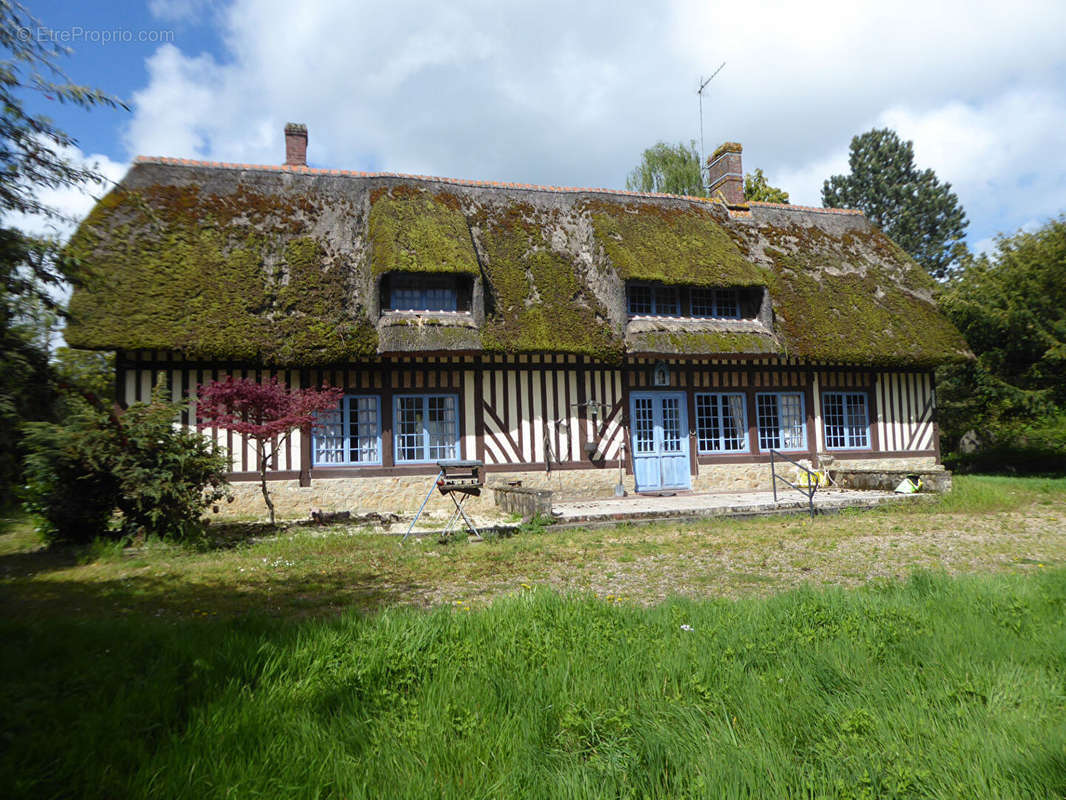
(725, 173)
(295, 145)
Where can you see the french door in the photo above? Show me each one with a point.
(660, 440)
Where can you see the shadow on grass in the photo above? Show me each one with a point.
(285, 594)
(43, 560)
(217, 537)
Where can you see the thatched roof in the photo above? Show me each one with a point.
(281, 266)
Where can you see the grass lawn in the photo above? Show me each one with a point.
(722, 659)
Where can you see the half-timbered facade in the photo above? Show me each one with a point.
(567, 338)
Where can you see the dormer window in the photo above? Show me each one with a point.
(426, 292)
(699, 302)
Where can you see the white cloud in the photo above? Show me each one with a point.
(570, 94)
(1003, 156)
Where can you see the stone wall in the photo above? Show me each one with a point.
(404, 494)
(522, 501)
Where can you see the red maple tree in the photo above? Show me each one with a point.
(266, 412)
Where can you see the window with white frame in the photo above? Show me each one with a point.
(348, 435)
(782, 422)
(426, 428)
(847, 422)
(721, 423)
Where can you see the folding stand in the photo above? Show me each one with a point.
(460, 478)
(464, 492)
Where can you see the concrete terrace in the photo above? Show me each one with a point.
(636, 508)
(682, 506)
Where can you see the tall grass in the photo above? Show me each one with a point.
(937, 687)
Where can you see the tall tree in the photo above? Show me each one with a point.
(669, 168)
(921, 214)
(757, 188)
(32, 158)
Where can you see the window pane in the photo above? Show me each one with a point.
(440, 425)
(708, 430)
(666, 301)
(639, 299)
(409, 427)
(791, 414)
(726, 303)
(858, 435)
(644, 426)
(328, 433)
(702, 302)
(734, 428)
(363, 430)
(671, 425)
(769, 428)
(833, 411)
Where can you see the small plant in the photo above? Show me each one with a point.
(537, 523)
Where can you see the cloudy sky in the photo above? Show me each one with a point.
(570, 93)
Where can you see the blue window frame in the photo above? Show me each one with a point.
(423, 293)
(426, 428)
(654, 300)
(720, 303)
(782, 421)
(846, 419)
(699, 302)
(348, 435)
(721, 423)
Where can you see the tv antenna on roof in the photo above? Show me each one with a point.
(703, 85)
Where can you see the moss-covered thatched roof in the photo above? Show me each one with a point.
(281, 266)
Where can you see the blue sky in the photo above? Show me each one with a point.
(569, 94)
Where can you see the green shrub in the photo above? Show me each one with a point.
(1038, 448)
(72, 497)
(158, 478)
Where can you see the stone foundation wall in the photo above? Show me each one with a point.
(915, 464)
(404, 494)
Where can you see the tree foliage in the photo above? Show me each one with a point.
(32, 158)
(669, 168)
(1011, 307)
(266, 412)
(757, 188)
(921, 214)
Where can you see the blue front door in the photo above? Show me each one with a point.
(660, 440)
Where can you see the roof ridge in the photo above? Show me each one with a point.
(793, 207)
(188, 162)
(304, 170)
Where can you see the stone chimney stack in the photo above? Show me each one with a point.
(725, 173)
(295, 145)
